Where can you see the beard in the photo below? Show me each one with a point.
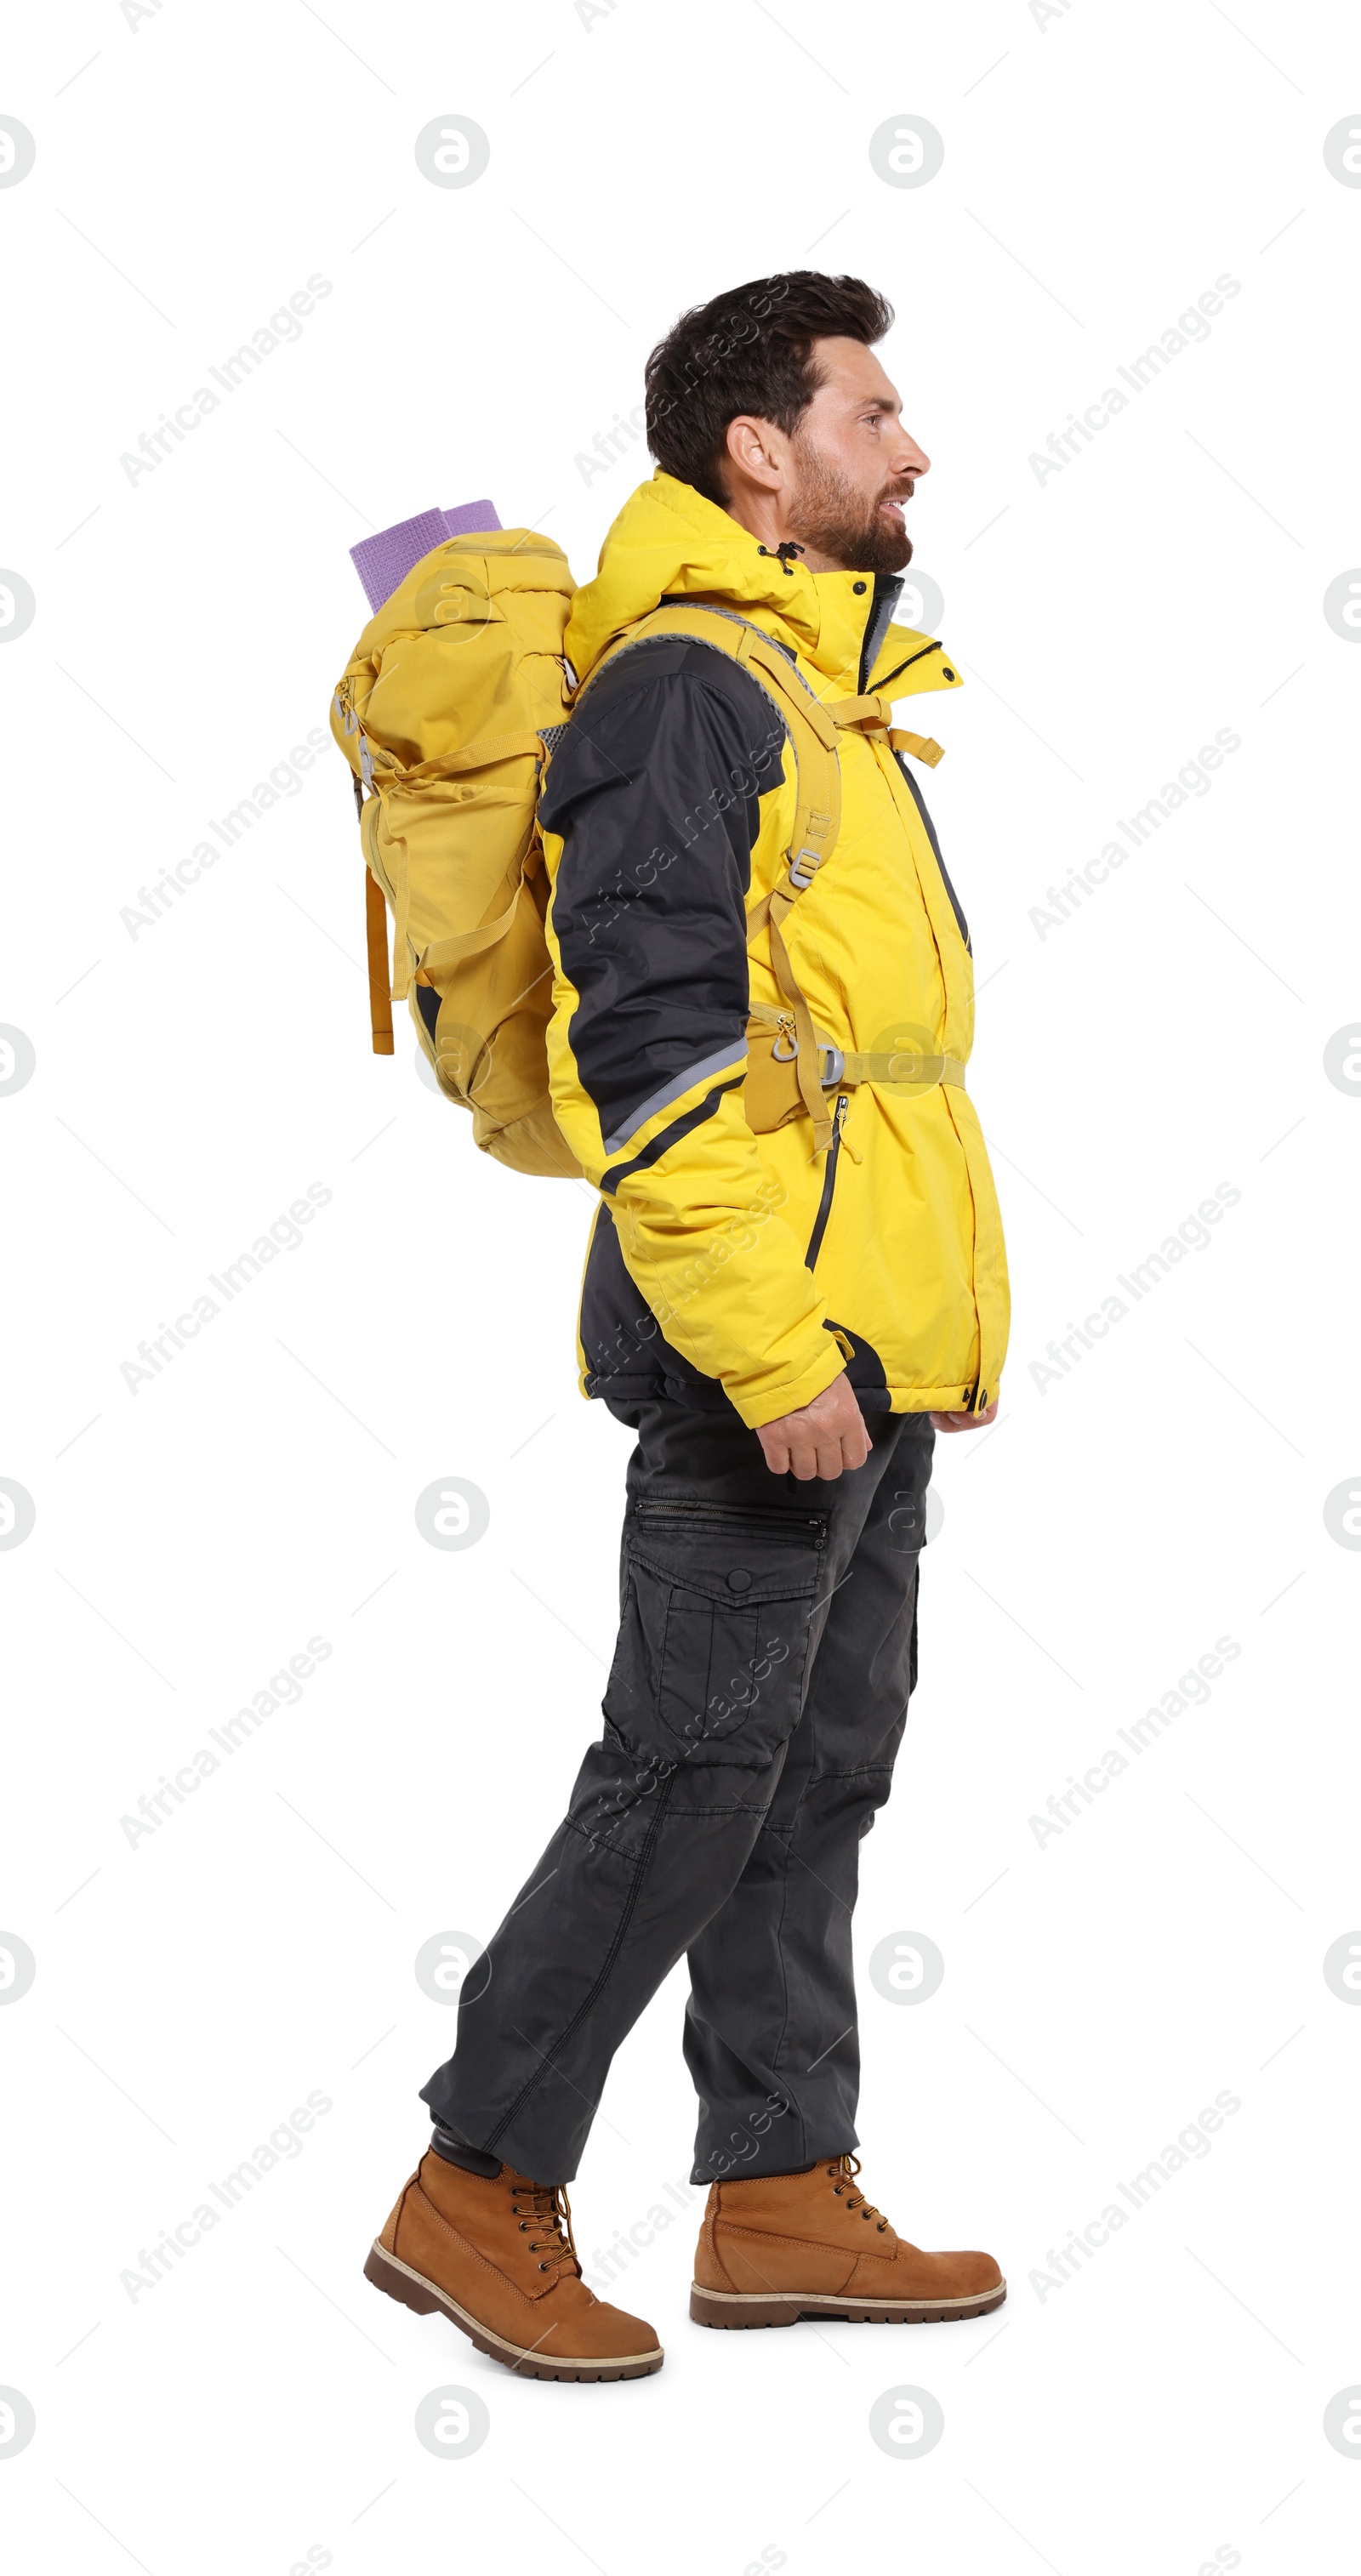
(830, 515)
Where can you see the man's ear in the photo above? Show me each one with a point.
(752, 451)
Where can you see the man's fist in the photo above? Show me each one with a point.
(820, 1438)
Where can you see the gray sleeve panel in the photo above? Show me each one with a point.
(724, 1059)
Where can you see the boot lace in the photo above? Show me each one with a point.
(841, 2173)
(547, 2209)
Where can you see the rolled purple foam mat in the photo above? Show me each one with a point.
(469, 519)
(383, 562)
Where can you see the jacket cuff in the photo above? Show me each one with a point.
(767, 1401)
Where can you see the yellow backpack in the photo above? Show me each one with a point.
(448, 714)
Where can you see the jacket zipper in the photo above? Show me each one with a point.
(828, 1182)
(883, 598)
(920, 802)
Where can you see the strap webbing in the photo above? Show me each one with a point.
(806, 1059)
(479, 754)
(854, 715)
(870, 716)
(470, 943)
(904, 1072)
(921, 746)
(376, 933)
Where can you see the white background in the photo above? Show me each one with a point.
(1100, 171)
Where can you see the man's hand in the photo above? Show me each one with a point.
(965, 1421)
(820, 1438)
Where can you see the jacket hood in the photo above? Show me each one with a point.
(669, 542)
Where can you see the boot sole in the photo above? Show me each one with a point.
(425, 2297)
(752, 2308)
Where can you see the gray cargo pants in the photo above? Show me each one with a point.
(757, 1698)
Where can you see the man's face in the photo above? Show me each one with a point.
(852, 465)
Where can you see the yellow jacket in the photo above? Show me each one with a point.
(727, 1266)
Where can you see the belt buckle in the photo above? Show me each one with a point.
(834, 1058)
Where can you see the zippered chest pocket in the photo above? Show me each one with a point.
(716, 1618)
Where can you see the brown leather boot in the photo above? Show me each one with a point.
(810, 2245)
(498, 2258)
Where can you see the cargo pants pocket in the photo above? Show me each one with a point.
(716, 1616)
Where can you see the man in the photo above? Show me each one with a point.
(785, 1314)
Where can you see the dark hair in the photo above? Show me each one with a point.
(749, 350)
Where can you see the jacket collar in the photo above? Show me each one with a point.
(670, 542)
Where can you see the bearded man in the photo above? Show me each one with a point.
(784, 1304)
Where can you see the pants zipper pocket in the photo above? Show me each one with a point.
(729, 1517)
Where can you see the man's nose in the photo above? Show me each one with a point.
(911, 459)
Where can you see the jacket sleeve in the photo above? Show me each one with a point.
(650, 812)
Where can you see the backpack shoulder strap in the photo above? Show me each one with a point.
(812, 729)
